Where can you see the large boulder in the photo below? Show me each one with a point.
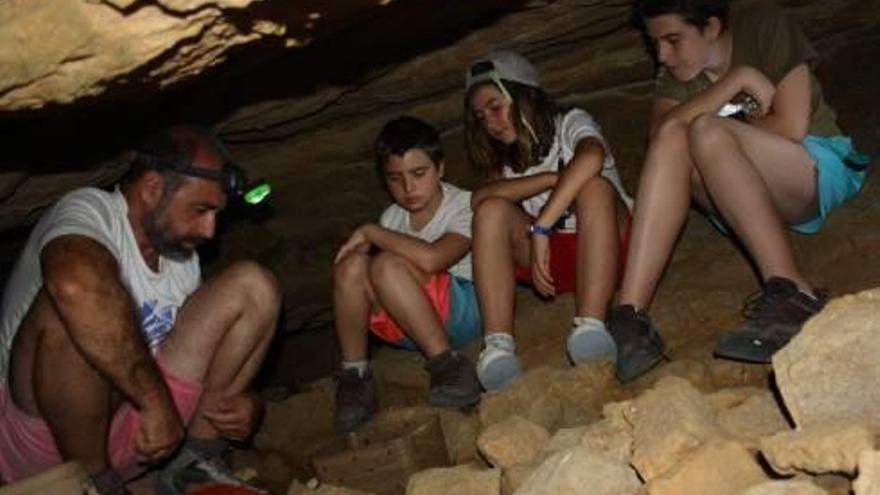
(831, 447)
(829, 371)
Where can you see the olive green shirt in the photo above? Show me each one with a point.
(766, 39)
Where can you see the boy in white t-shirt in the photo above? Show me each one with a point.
(408, 279)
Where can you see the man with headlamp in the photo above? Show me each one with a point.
(113, 352)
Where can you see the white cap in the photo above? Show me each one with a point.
(506, 65)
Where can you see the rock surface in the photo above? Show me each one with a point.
(831, 447)
(868, 482)
(829, 370)
(463, 480)
(580, 471)
(512, 441)
(785, 488)
(669, 422)
(719, 467)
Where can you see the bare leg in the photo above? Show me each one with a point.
(597, 247)
(51, 379)
(398, 285)
(500, 240)
(756, 180)
(353, 299)
(221, 335)
(661, 209)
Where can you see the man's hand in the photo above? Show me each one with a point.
(357, 241)
(540, 254)
(236, 417)
(160, 433)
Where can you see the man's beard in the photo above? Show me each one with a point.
(161, 237)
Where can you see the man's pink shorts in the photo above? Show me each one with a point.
(27, 446)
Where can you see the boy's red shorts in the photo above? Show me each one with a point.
(563, 260)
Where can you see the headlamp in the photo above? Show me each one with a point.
(231, 177)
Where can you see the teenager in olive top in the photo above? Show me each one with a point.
(786, 165)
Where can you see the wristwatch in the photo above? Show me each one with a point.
(535, 229)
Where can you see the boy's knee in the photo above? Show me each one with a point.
(386, 266)
(351, 270)
(670, 133)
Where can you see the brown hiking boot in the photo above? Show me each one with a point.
(356, 399)
(453, 381)
(772, 318)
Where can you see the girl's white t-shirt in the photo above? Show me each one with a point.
(575, 125)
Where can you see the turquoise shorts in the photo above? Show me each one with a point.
(463, 325)
(838, 178)
(840, 173)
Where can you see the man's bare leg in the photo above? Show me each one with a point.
(221, 336)
(51, 380)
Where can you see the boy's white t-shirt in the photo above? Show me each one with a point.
(575, 125)
(103, 217)
(453, 216)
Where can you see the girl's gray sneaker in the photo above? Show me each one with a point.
(498, 364)
(589, 341)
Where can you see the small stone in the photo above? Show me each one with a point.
(831, 447)
(785, 488)
(513, 441)
(578, 471)
(460, 480)
(719, 467)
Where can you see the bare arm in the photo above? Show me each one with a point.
(516, 189)
(738, 79)
(790, 114)
(585, 164)
(430, 257)
(82, 279)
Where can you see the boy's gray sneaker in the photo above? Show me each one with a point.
(498, 364)
(189, 467)
(772, 318)
(356, 399)
(453, 381)
(639, 346)
(589, 341)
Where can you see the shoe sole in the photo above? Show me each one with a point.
(445, 400)
(591, 346)
(648, 362)
(744, 349)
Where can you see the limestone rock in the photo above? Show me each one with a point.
(758, 416)
(719, 467)
(829, 370)
(513, 441)
(565, 438)
(868, 482)
(461, 480)
(580, 471)
(822, 448)
(785, 488)
(514, 476)
(610, 440)
(669, 421)
(551, 397)
(76, 49)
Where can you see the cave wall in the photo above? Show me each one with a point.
(305, 120)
